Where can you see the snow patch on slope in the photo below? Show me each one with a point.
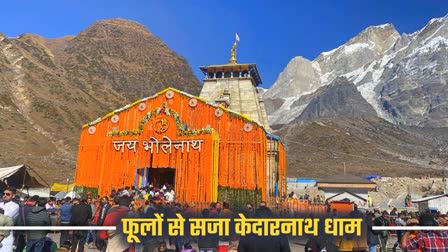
(431, 46)
(367, 91)
(353, 48)
(283, 115)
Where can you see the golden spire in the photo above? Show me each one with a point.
(232, 59)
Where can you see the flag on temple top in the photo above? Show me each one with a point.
(237, 37)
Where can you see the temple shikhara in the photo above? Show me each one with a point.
(217, 146)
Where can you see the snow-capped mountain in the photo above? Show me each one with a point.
(402, 76)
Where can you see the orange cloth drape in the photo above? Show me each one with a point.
(232, 154)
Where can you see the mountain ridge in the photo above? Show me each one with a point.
(51, 87)
(376, 60)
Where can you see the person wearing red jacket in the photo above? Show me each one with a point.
(116, 240)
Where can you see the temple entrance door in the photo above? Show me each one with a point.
(155, 176)
(161, 176)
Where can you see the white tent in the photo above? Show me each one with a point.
(19, 177)
(72, 195)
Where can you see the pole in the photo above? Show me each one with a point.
(67, 184)
(344, 168)
(444, 180)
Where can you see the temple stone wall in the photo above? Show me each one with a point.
(243, 97)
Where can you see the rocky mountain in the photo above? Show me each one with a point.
(378, 103)
(340, 98)
(367, 145)
(402, 76)
(50, 87)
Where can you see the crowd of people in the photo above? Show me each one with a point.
(431, 240)
(108, 211)
(146, 202)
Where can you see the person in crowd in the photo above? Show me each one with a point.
(443, 220)
(426, 240)
(383, 236)
(372, 236)
(163, 248)
(12, 210)
(188, 248)
(81, 214)
(393, 212)
(49, 205)
(114, 201)
(400, 223)
(263, 210)
(66, 216)
(58, 204)
(102, 206)
(355, 213)
(334, 213)
(210, 242)
(369, 201)
(105, 206)
(97, 213)
(91, 235)
(151, 191)
(248, 211)
(178, 241)
(38, 216)
(146, 207)
(255, 243)
(292, 195)
(116, 241)
(218, 207)
(226, 212)
(21, 221)
(146, 195)
(65, 247)
(169, 195)
(138, 207)
(91, 202)
(151, 243)
(413, 220)
(4, 222)
(214, 210)
(25, 199)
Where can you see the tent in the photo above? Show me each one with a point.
(373, 176)
(57, 187)
(59, 195)
(19, 177)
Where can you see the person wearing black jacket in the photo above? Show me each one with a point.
(81, 214)
(372, 236)
(21, 221)
(38, 216)
(209, 242)
(255, 243)
(383, 235)
(105, 206)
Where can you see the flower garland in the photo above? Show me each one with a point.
(182, 128)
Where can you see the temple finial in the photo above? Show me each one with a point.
(232, 59)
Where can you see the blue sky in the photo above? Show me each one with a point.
(271, 32)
